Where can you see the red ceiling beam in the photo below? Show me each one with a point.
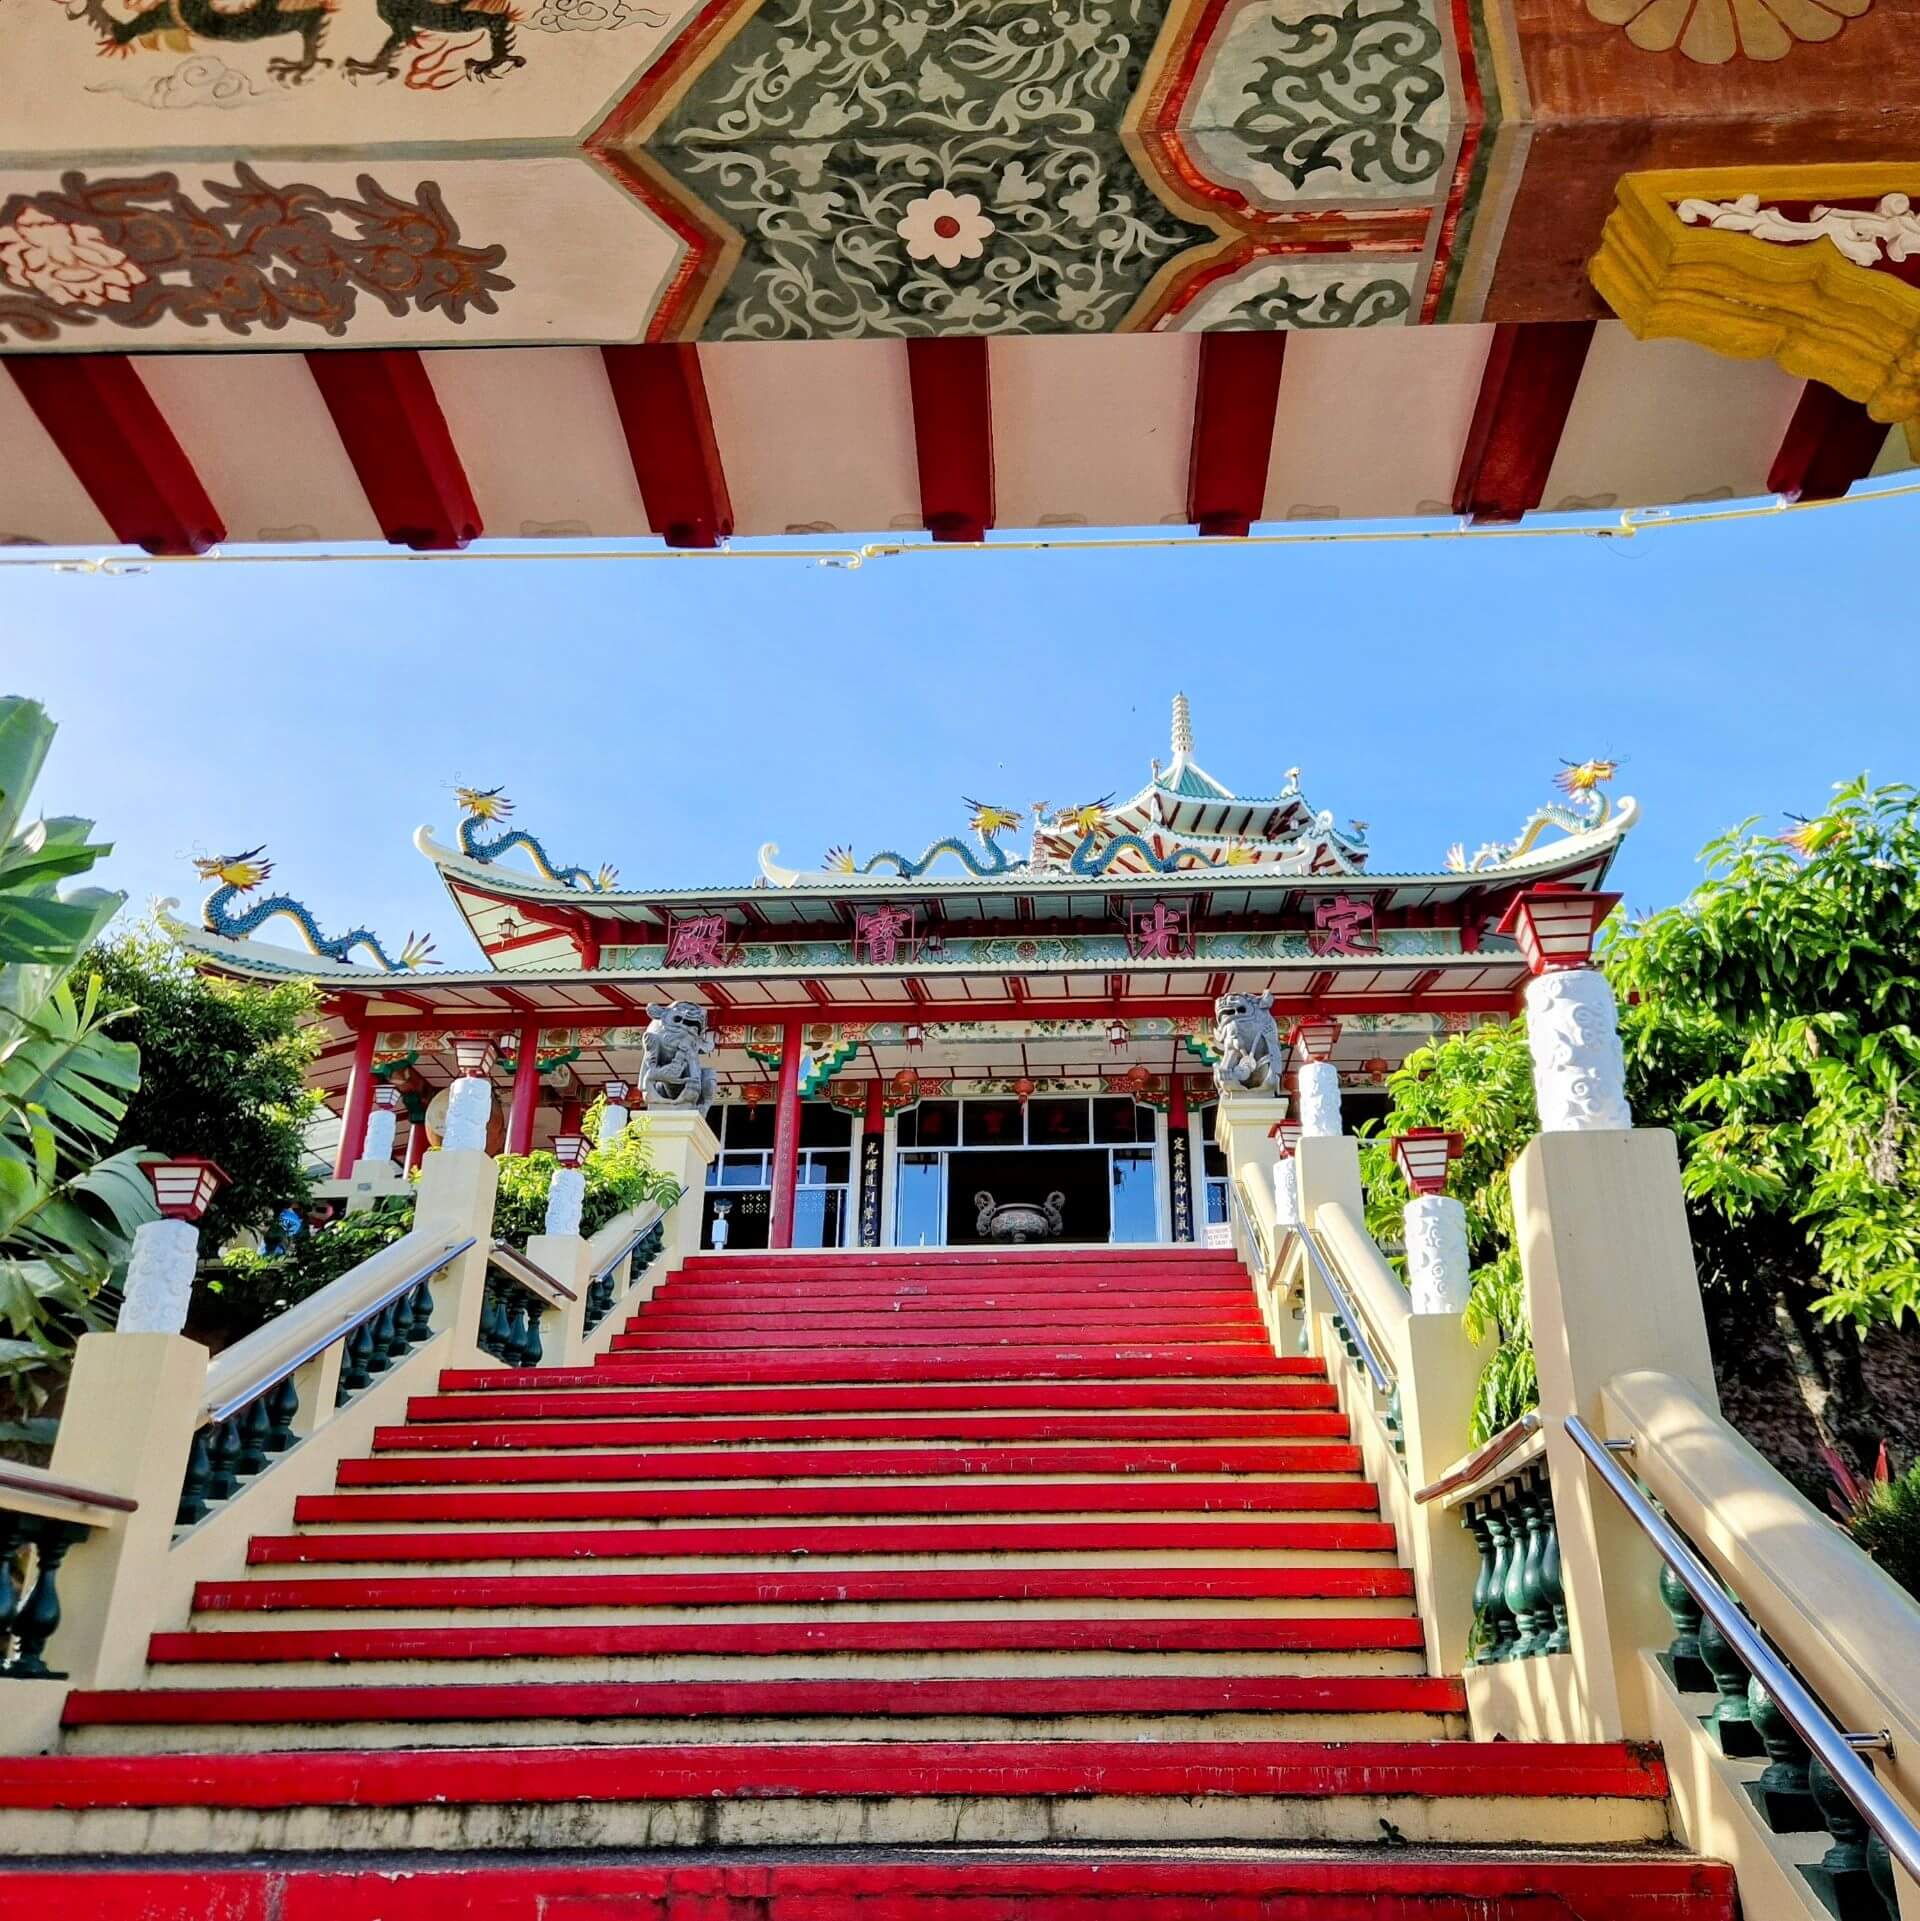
(98, 413)
(389, 421)
(1532, 373)
(953, 435)
(662, 398)
(1233, 414)
(1830, 443)
(614, 998)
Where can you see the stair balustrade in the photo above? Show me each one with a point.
(41, 1518)
(518, 1292)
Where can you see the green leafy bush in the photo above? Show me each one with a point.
(1882, 1513)
(618, 1177)
(250, 1289)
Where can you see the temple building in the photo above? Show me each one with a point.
(1004, 1036)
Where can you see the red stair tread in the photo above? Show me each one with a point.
(768, 1464)
(997, 1695)
(959, 1537)
(1201, 1429)
(501, 1393)
(419, 1777)
(780, 1588)
(855, 1366)
(1123, 1635)
(663, 1336)
(671, 1503)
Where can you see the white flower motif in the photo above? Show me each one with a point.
(944, 227)
(65, 262)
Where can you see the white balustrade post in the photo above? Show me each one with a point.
(1439, 1272)
(1320, 1100)
(160, 1272)
(614, 1114)
(1573, 1026)
(458, 1185)
(682, 1146)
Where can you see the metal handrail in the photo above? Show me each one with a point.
(1834, 1746)
(1382, 1380)
(338, 1332)
(1488, 1455)
(17, 1477)
(530, 1274)
(632, 1241)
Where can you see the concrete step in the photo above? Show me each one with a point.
(662, 1334)
(1055, 1883)
(877, 1794)
(1245, 1361)
(922, 1310)
(995, 1466)
(788, 1501)
(999, 1708)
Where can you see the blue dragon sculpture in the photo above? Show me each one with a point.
(1093, 857)
(240, 874)
(1587, 807)
(480, 806)
(988, 821)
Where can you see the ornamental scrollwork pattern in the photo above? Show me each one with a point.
(1360, 303)
(250, 255)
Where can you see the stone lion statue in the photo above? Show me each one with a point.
(673, 1067)
(1248, 1039)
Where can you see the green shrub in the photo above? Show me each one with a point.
(251, 1288)
(1888, 1527)
(618, 1177)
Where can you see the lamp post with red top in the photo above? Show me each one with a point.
(1439, 1272)
(1286, 1176)
(165, 1253)
(1317, 1077)
(1573, 1031)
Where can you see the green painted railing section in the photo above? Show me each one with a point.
(1519, 1604)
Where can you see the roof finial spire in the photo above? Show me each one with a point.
(1182, 726)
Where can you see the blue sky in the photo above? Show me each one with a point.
(669, 716)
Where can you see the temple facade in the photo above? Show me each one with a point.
(1006, 1036)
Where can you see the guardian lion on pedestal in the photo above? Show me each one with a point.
(673, 1067)
(1248, 1040)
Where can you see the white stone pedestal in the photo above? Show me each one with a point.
(159, 1278)
(1439, 1274)
(1579, 1073)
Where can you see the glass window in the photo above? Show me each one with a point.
(821, 1169)
(1216, 1202)
(919, 1207)
(992, 1124)
(931, 1124)
(1057, 1122)
(1113, 1123)
(750, 1126)
(1213, 1163)
(819, 1216)
(1136, 1212)
(823, 1125)
(743, 1170)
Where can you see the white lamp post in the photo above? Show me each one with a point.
(1286, 1182)
(1319, 1079)
(613, 1116)
(165, 1252)
(381, 1124)
(470, 1098)
(567, 1191)
(1439, 1273)
(1573, 1030)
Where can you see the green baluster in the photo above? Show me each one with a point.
(1782, 1792)
(420, 1325)
(1505, 1629)
(1552, 1586)
(517, 1333)
(283, 1409)
(355, 1361)
(197, 1483)
(490, 1337)
(37, 1619)
(1518, 1589)
(1539, 1617)
(532, 1349)
(1843, 1877)
(1393, 1421)
(223, 1457)
(1691, 1675)
(1731, 1719)
(384, 1342)
(1880, 1873)
(1473, 1519)
(250, 1431)
(12, 1539)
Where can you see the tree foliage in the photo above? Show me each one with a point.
(619, 1176)
(223, 1069)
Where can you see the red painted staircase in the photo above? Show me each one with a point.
(1037, 1578)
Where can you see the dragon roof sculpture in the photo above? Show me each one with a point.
(242, 874)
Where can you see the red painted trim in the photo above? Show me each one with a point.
(1286, 1634)
(662, 398)
(786, 1137)
(754, 1543)
(460, 1436)
(1532, 373)
(753, 1323)
(953, 435)
(1108, 1886)
(353, 1118)
(526, 1461)
(98, 413)
(416, 1777)
(1830, 443)
(1233, 420)
(389, 421)
(526, 1091)
(543, 1504)
(416, 1145)
(1001, 1697)
(759, 1587)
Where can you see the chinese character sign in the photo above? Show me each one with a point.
(1157, 933)
(698, 941)
(1342, 925)
(882, 936)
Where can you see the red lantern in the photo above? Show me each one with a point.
(905, 1082)
(1288, 1135)
(1555, 925)
(569, 1149)
(1023, 1089)
(387, 1097)
(1136, 1079)
(1378, 1067)
(473, 1055)
(1315, 1038)
(183, 1188)
(754, 1093)
(1423, 1154)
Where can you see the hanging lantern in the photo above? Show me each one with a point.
(1423, 1154)
(754, 1093)
(473, 1055)
(387, 1097)
(1288, 1135)
(1555, 925)
(183, 1188)
(1117, 1034)
(1315, 1038)
(913, 1035)
(616, 1093)
(1023, 1088)
(1378, 1067)
(904, 1083)
(1136, 1079)
(569, 1149)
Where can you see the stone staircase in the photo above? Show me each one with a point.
(877, 1585)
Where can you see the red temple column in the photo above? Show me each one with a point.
(526, 1092)
(416, 1142)
(353, 1117)
(786, 1138)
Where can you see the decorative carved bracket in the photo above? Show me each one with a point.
(1748, 261)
